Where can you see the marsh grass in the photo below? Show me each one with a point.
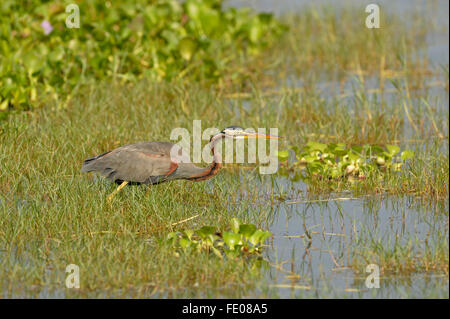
(51, 215)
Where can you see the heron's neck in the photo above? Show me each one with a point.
(216, 164)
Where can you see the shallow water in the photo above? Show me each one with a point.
(335, 231)
(332, 89)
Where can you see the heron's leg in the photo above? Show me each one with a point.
(117, 190)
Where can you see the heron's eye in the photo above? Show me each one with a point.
(233, 130)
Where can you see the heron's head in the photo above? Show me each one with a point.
(237, 132)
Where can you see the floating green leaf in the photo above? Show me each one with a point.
(243, 239)
(205, 231)
(187, 48)
(393, 149)
(231, 239)
(314, 146)
(283, 155)
(235, 223)
(406, 155)
(258, 237)
(247, 230)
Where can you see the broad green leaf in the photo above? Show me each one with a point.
(375, 150)
(4, 105)
(247, 230)
(188, 233)
(264, 236)
(187, 48)
(392, 149)
(340, 149)
(171, 236)
(406, 155)
(234, 224)
(33, 63)
(353, 157)
(357, 149)
(231, 239)
(185, 243)
(258, 237)
(310, 159)
(283, 155)
(57, 54)
(314, 146)
(255, 33)
(205, 231)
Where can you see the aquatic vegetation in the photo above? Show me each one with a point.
(337, 161)
(242, 240)
(125, 41)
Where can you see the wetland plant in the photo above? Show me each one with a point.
(241, 240)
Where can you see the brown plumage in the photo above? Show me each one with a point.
(147, 163)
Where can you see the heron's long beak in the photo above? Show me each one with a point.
(259, 135)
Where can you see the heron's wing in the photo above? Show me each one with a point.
(147, 162)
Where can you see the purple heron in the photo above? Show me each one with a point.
(153, 163)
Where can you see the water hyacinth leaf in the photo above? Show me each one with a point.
(205, 231)
(376, 150)
(210, 239)
(232, 239)
(264, 236)
(4, 105)
(172, 237)
(310, 159)
(185, 243)
(353, 157)
(255, 32)
(57, 54)
(33, 63)
(406, 155)
(340, 149)
(192, 8)
(187, 48)
(294, 148)
(315, 167)
(258, 237)
(315, 146)
(247, 230)
(188, 233)
(234, 224)
(209, 20)
(283, 155)
(357, 149)
(392, 149)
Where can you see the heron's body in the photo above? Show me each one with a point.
(146, 163)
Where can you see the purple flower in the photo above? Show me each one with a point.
(47, 27)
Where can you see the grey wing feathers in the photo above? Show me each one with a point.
(146, 162)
